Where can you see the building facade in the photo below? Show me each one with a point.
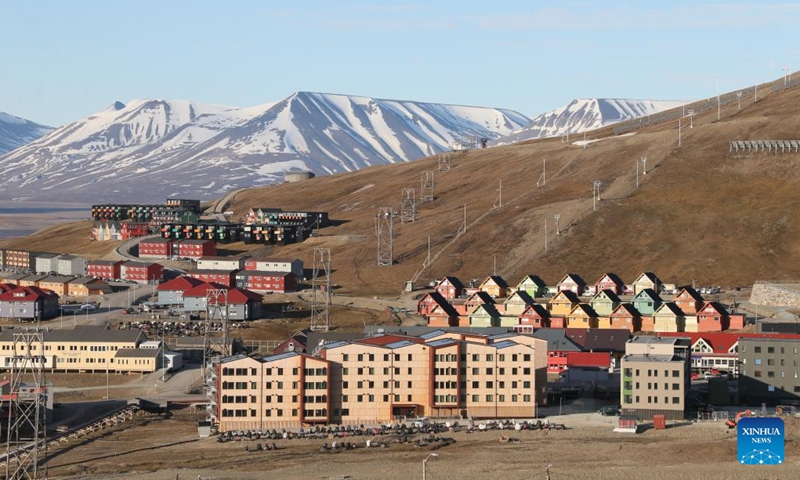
(142, 272)
(655, 377)
(70, 265)
(104, 269)
(292, 265)
(266, 282)
(768, 370)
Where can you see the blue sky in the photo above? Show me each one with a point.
(65, 60)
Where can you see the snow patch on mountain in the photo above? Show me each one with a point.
(585, 114)
(16, 132)
(148, 148)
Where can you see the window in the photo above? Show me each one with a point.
(489, 357)
(474, 398)
(770, 349)
(501, 398)
(526, 357)
(628, 399)
(476, 384)
(475, 357)
(526, 398)
(676, 400)
(676, 373)
(757, 373)
(489, 384)
(757, 361)
(771, 361)
(676, 386)
(628, 372)
(475, 371)
(770, 374)
(345, 357)
(757, 349)
(489, 398)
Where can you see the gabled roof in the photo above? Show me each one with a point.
(523, 295)
(566, 294)
(585, 309)
(6, 287)
(33, 278)
(26, 294)
(496, 279)
(535, 279)
(625, 309)
(600, 339)
(647, 277)
(483, 296)
(57, 279)
(445, 307)
(454, 281)
(669, 307)
(202, 289)
(179, 284)
(240, 296)
(691, 293)
(537, 310)
(557, 340)
(648, 293)
(609, 294)
(573, 278)
(612, 277)
(488, 308)
(718, 308)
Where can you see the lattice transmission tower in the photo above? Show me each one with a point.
(408, 209)
(321, 291)
(384, 232)
(426, 184)
(445, 162)
(214, 347)
(26, 432)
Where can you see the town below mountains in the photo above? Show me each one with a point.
(166, 148)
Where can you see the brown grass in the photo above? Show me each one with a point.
(701, 214)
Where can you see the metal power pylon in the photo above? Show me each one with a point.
(321, 290)
(427, 184)
(26, 431)
(408, 209)
(384, 231)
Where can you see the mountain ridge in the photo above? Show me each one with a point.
(16, 131)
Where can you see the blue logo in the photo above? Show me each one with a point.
(760, 441)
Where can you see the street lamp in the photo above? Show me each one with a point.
(424, 467)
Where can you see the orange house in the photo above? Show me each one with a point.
(444, 315)
(495, 286)
(562, 303)
(625, 316)
(712, 317)
(582, 316)
(688, 301)
(648, 323)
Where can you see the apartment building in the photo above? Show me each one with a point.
(88, 348)
(768, 370)
(105, 269)
(655, 377)
(286, 390)
(379, 379)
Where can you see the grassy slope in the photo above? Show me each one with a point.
(700, 214)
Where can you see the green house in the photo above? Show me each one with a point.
(533, 286)
(647, 302)
(484, 316)
(604, 302)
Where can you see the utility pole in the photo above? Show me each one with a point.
(785, 72)
(596, 193)
(739, 96)
(644, 165)
(545, 234)
(557, 218)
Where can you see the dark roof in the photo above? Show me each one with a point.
(600, 339)
(489, 308)
(84, 333)
(453, 280)
(539, 310)
(525, 296)
(483, 296)
(498, 280)
(557, 340)
(672, 308)
(610, 294)
(87, 281)
(137, 353)
(47, 256)
(586, 309)
(613, 276)
(134, 264)
(628, 308)
(571, 296)
(649, 292)
(535, 279)
(575, 278)
(650, 276)
(57, 279)
(692, 293)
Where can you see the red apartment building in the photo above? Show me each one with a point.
(155, 248)
(142, 272)
(104, 269)
(223, 277)
(266, 282)
(194, 249)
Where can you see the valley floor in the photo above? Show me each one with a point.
(168, 448)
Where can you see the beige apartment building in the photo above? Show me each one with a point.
(278, 391)
(655, 377)
(87, 348)
(384, 378)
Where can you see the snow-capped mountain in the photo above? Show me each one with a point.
(151, 149)
(16, 132)
(585, 114)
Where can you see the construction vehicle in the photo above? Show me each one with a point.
(732, 423)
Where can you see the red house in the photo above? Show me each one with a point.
(450, 288)
(648, 323)
(194, 249)
(155, 248)
(609, 281)
(444, 315)
(266, 282)
(626, 316)
(589, 359)
(105, 269)
(712, 317)
(736, 321)
(142, 272)
(430, 300)
(536, 316)
(558, 322)
(688, 301)
(131, 229)
(224, 277)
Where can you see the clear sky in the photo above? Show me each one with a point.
(60, 60)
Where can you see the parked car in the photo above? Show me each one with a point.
(88, 306)
(610, 410)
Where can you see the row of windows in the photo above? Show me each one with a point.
(770, 374)
(770, 362)
(654, 400)
(72, 348)
(653, 386)
(769, 349)
(651, 373)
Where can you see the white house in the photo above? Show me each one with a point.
(71, 265)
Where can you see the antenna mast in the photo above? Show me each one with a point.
(384, 230)
(408, 209)
(321, 291)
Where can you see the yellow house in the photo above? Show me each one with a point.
(85, 286)
(31, 280)
(495, 286)
(517, 302)
(582, 316)
(56, 283)
(563, 303)
(668, 318)
(604, 322)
